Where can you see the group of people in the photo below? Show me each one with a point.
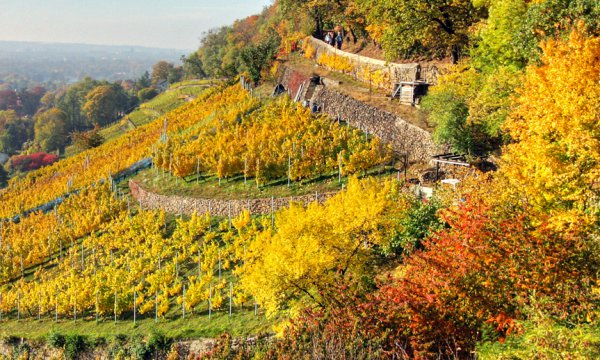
(334, 39)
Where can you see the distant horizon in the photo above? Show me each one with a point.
(94, 44)
(159, 24)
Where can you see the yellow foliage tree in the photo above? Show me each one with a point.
(311, 249)
(555, 160)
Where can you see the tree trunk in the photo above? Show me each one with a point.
(354, 39)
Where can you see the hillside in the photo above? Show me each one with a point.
(299, 209)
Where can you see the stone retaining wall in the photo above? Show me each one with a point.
(405, 138)
(396, 72)
(216, 207)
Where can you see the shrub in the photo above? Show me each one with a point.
(158, 343)
(55, 339)
(74, 344)
(147, 94)
(87, 140)
(32, 162)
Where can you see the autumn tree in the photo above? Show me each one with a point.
(555, 157)
(30, 100)
(51, 130)
(166, 72)
(299, 261)
(105, 103)
(87, 139)
(8, 99)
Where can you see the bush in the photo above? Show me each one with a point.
(147, 94)
(55, 339)
(158, 343)
(32, 162)
(138, 349)
(87, 140)
(74, 344)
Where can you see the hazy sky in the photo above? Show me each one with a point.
(156, 23)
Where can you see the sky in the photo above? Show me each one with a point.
(174, 24)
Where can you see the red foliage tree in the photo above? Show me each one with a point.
(32, 162)
(482, 271)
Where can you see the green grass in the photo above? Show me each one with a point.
(242, 322)
(235, 188)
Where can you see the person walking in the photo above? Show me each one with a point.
(339, 39)
(328, 38)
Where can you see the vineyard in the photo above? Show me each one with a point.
(92, 165)
(276, 140)
(99, 255)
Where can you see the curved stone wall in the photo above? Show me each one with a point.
(216, 207)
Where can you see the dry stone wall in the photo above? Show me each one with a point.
(396, 72)
(217, 207)
(405, 138)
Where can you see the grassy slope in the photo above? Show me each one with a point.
(235, 188)
(242, 322)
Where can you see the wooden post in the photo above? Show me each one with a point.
(75, 307)
(230, 297)
(56, 305)
(272, 211)
(339, 167)
(229, 212)
(183, 303)
(96, 306)
(198, 170)
(115, 309)
(199, 264)
(219, 265)
(210, 301)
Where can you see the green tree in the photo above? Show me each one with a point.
(438, 27)
(218, 57)
(469, 107)
(192, 66)
(552, 18)
(72, 101)
(257, 57)
(499, 36)
(14, 131)
(51, 130)
(3, 177)
(144, 81)
(146, 94)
